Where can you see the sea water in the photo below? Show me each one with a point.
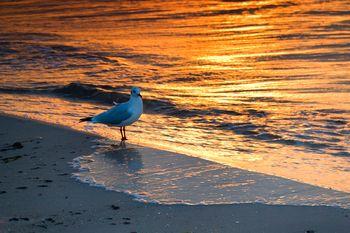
(258, 85)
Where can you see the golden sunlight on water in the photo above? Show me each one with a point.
(259, 85)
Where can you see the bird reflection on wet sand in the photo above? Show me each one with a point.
(125, 156)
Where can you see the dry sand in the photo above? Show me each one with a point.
(37, 194)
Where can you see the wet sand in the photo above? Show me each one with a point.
(37, 194)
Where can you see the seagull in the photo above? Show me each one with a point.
(122, 114)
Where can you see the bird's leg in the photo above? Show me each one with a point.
(124, 133)
(121, 133)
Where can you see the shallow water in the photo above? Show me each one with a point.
(258, 85)
(168, 178)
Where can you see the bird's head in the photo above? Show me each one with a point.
(135, 91)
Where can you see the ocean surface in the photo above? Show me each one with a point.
(262, 86)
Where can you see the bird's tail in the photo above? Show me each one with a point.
(85, 119)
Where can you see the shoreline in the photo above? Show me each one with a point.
(39, 195)
(286, 162)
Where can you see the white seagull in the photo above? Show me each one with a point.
(122, 114)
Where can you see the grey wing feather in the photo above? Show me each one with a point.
(115, 115)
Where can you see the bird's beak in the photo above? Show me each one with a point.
(140, 96)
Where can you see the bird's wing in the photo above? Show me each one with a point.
(115, 115)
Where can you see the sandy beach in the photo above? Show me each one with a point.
(39, 195)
